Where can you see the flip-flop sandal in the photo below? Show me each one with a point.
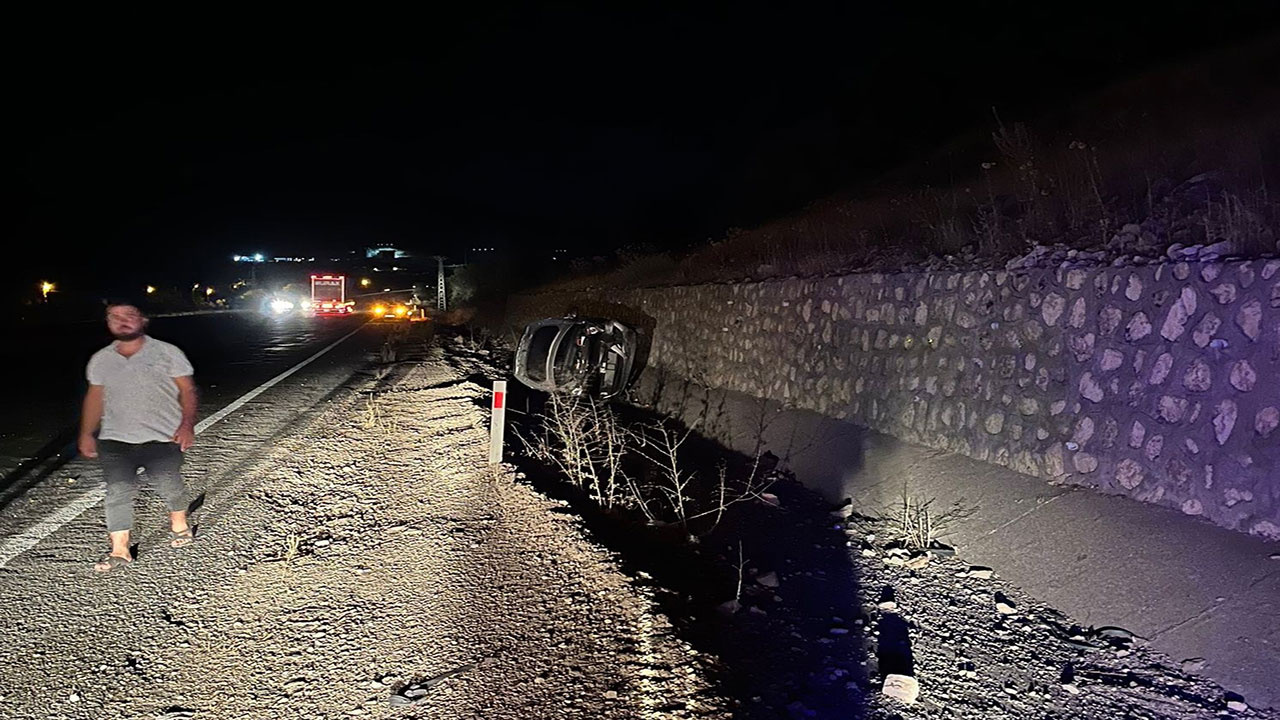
(180, 539)
(110, 562)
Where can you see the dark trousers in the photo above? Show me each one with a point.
(161, 463)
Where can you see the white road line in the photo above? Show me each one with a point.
(216, 417)
(29, 538)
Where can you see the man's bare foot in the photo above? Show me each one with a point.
(111, 562)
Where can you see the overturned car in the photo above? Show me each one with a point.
(576, 356)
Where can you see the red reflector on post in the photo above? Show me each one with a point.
(497, 422)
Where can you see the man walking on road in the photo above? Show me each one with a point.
(142, 404)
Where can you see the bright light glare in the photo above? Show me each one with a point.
(281, 307)
(401, 310)
(235, 258)
(151, 289)
(257, 257)
(379, 309)
(208, 291)
(364, 282)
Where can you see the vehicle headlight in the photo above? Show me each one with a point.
(379, 310)
(401, 310)
(280, 307)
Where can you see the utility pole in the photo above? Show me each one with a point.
(442, 296)
(442, 302)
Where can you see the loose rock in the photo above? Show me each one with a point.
(902, 688)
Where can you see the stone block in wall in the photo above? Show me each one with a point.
(1249, 318)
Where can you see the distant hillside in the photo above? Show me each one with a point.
(1186, 155)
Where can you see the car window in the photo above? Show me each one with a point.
(568, 353)
(539, 348)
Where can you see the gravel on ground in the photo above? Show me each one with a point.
(982, 648)
(367, 563)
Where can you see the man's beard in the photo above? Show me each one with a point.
(126, 337)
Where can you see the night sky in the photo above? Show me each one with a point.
(171, 142)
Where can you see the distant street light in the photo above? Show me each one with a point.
(46, 287)
(365, 282)
(208, 291)
(151, 289)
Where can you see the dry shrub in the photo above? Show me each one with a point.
(919, 525)
(642, 467)
(454, 318)
(1242, 222)
(583, 440)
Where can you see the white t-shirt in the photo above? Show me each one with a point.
(140, 396)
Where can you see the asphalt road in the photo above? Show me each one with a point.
(232, 353)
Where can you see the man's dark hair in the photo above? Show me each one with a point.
(118, 301)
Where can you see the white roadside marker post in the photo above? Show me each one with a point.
(497, 421)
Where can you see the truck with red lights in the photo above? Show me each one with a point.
(329, 295)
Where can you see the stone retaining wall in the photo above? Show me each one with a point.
(1160, 382)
